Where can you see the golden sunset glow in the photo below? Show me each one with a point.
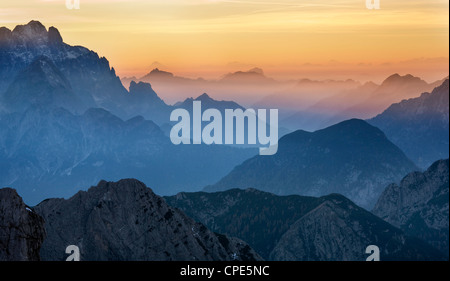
(303, 38)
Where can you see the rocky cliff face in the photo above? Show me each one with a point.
(420, 205)
(21, 229)
(125, 220)
(90, 76)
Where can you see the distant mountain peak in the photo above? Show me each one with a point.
(140, 86)
(256, 70)
(157, 73)
(208, 102)
(144, 93)
(204, 97)
(397, 78)
(252, 74)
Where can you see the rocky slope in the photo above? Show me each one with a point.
(301, 228)
(338, 230)
(352, 158)
(259, 218)
(125, 220)
(419, 205)
(21, 229)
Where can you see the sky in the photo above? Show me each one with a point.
(288, 39)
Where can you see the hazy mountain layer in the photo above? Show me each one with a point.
(352, 158)
(419, 126)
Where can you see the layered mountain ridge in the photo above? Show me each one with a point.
(419, 126)
(352, 158)
(301, 228)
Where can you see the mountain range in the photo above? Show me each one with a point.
(352, 158)
(61, 118)
(419, 126)
(61, 151)
(113, 221)
(354, 101)
(301, 228)
(73, 77)
(125, 220)
(419, 205)
(67, 122)
(244, 86)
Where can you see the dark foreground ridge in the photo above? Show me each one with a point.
(113, 221)
(299, 228)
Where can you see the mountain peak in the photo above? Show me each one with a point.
(140, 86)
(254, 74)
(129, 218)
(33, 33)
(397, 78)
(54, 37)
(257, 70)
(157, 71)
(338, 159)
(204, 97)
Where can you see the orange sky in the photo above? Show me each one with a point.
(288, 39)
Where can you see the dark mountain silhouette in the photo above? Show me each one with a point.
(21, 229)
(419, 126)
(126, 221)
(419, 205)
(352, 158)
(300, 228)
